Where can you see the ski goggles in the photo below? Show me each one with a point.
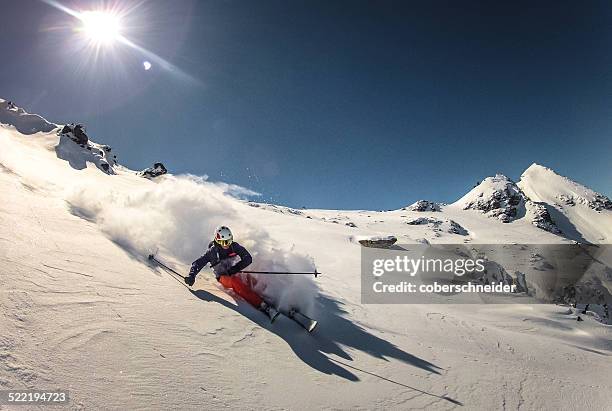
(223, 243)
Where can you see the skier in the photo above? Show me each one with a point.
(228, 258)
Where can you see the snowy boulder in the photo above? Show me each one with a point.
(566, 200)
(438, 226)
(497, 197)
(495, 273)
(521, 283)
(455, 228)
(590, 292)
(379, 242)
(540, 217)
(423, 221)
(76, 132)
(600, 202)
(24, 122)
(594, 201)
(78, 155)
(423, 205)
(158, 169)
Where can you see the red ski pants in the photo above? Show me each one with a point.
(242, 289)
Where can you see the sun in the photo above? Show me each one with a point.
(101, 27)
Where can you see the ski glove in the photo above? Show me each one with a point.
(189, 280)
(232, 271)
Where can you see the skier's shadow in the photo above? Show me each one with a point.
(333, 332)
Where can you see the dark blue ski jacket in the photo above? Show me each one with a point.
(215, 254)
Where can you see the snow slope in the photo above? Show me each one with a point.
(81, 309)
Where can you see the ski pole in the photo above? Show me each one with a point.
(152, 257)
(315, 273)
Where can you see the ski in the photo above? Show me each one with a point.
(303, 320)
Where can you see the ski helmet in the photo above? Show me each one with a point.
(223, 236)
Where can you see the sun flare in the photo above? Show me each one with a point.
(101, 27)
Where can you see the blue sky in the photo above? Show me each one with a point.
(334, 104)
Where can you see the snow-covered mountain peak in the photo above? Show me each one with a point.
(496, 196)
(535, 167)
(550, 201)
(582, 214)
(542, 184)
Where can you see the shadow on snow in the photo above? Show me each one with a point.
(333, 331)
